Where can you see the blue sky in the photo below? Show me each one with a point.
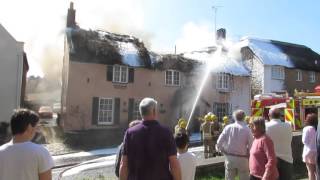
(161, 24)
(285, 20)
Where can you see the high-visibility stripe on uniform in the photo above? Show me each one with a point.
(256, 112)
(289, 115)
(258, 104)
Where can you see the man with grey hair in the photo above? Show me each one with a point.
(281, 135)
(235, 143)
(149, 148)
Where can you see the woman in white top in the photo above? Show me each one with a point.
(309, 154)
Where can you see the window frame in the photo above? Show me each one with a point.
(112, 111)
(121, 77)
(225, 107)
(224, 81)
(312, 77)
(299, 75)
(136, 112)
(172, 76)
(277, 72)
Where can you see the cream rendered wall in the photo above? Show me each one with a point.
(87, 80)
(11, 66)
(269, 84)
(241, 94)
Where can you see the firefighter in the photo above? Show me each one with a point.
(178, 127)
(216, 132)
(225, 121)
(207, 136)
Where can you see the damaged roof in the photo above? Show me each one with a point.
(221, 63)
(272, 52)
(109, 48)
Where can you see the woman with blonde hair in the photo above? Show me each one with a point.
(309, 154)
(262, 160)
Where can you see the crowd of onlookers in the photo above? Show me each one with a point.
(260, 149)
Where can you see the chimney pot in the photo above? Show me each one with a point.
(221, 34)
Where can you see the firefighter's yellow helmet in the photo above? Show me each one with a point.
(207, 118)
(183, 124)
(181, 120)
(213, 117)
(225, 119)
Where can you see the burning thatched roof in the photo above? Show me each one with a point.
(177, 62)
(222, 63)
(107, 48)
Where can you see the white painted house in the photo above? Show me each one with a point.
(279, 67)
(13, 67)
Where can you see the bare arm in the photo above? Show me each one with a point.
(45, 175)
(175, 167)
(124, 168)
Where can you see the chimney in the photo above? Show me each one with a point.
(221, 34)
(71, 17)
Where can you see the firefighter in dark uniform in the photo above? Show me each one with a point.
(181, 126)
(225, 122)
(206, 129)
(216, 132)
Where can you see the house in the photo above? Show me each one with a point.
(228, 84)
(280, 67)
(105, 75)
(13, 70)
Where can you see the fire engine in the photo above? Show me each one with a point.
(294, 108)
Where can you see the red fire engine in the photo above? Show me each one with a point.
(294, 108)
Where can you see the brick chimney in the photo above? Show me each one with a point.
(71, 17)
(221, 34)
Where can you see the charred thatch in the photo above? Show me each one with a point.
(177, 62)
(104, 47)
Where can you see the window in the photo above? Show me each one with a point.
(277, 72)
(136, 112)
(299, 75)
(312, 77)
(172, 77)
(105, 115)
(223, 81)
(120, 74)
(221, 109)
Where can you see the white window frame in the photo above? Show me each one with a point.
(299, 75)
(120, 74)
(107, 111)
(172, 78)
(277, 72)
(135, 111)
(222, 109)
(312, 77)
(224, 80)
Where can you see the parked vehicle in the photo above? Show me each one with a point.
(295, 109)
(56, 107)
(45, 112)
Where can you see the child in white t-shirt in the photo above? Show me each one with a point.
(187, 160)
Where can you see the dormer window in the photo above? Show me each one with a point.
(172, 78)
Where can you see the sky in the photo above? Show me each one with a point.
(161, 24)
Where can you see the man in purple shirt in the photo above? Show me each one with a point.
(149, 149)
